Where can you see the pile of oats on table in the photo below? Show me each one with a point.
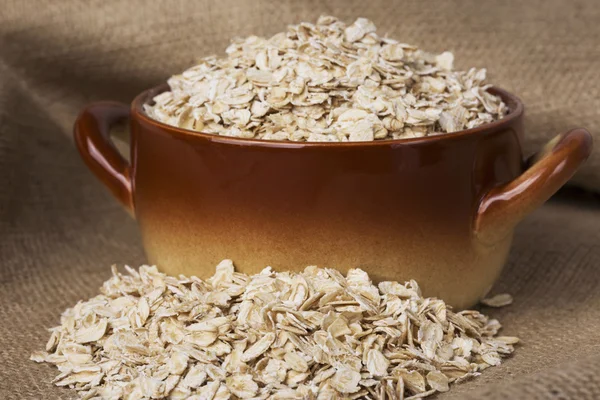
(309, 335)
(327, 82)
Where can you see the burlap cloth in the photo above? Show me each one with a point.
(60, 230)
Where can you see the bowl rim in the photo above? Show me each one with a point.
(514, 104)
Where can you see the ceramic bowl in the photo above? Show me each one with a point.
(438, 209)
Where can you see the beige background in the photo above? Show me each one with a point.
(60, 230)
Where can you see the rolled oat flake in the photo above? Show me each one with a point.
(327, 82)
(275, 335)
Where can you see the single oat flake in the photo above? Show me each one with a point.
(327, 82)
(275, 335)
(499, 300)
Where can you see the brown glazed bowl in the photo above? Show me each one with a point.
(437, 209)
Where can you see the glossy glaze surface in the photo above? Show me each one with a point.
(92, 138)
(408, 209)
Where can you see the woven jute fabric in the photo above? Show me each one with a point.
(60, 230)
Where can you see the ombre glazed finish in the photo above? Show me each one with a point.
(440, 210)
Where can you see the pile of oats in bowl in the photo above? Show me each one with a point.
(327, 82)
(310, 335)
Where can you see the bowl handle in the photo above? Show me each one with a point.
(92, 138)
(504, 206)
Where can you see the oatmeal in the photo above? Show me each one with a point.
(275, 335)
(327, 82)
